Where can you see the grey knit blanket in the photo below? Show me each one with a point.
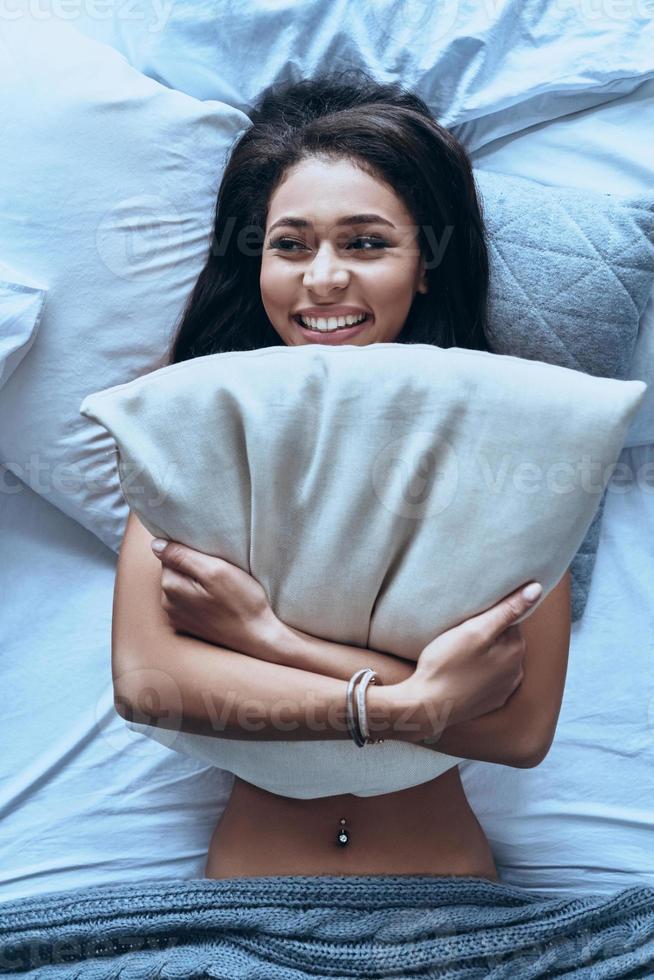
(295, 928)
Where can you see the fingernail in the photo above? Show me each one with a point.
(531, 592)
(158, 544)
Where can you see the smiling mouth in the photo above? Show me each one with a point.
(331, 324)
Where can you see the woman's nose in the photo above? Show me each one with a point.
(326, 271)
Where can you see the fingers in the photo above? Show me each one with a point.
(176, 587)
(175, 583)
(510, 645)
(187, 561)
(494, 621)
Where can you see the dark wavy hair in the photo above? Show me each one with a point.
(390, 133)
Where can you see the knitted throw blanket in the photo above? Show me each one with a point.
(295, 928)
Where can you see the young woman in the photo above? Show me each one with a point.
(346, 214)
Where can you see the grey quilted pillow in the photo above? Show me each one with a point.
(571, 273)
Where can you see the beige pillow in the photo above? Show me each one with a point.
(380, 494)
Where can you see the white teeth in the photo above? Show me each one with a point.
(327, 324)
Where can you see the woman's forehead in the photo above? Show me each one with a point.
(324, 192)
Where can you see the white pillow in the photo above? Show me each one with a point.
(486, 69)
(380, 494)
(108, 182)
(21, 306)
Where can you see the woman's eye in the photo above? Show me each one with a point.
(286, 244)
(373, 242)
(281, 243)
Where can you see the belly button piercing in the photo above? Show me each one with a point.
(343, 836)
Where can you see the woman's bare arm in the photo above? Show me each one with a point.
(179, 682)
(339, 659)
(517, 734)
(174, 681)
(521, 731)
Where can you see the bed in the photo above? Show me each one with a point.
(563, 96)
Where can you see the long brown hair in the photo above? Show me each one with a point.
(390, 132)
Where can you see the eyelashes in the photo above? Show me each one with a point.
(375, 243)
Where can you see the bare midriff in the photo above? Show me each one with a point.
(426, 829)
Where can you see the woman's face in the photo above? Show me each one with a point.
(338, 243)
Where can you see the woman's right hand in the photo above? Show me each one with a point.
(469, 670)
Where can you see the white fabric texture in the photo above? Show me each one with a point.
(596, 150)
(83, 801)
(21, 306)
(396, 453)
(113, 219)
(486, 68)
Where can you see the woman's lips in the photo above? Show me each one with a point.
(339, 336)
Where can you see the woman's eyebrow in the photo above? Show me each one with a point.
(350, 219)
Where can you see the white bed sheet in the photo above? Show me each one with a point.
(83, 800)
(486, 67)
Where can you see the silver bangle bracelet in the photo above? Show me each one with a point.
(357, 722)
(352, 725)
(370, 677)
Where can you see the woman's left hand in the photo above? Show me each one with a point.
(213, 600)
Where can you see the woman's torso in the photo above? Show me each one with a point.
(426, 829)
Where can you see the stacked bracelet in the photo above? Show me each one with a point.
(357, 722)
(352, 725)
